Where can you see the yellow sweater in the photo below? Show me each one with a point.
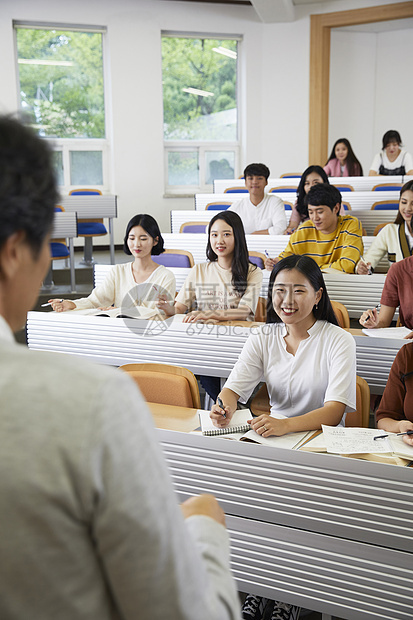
(341, 249)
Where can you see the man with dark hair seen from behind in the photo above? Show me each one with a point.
(91, 528)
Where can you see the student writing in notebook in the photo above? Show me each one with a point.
(394, 240)
(395, 412)
(137, 283)
(225, 288)
(306, 360)
(397, 293)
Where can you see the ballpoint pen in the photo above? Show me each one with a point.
(221, 404)
(397, 435)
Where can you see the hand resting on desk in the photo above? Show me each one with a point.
(205, 505)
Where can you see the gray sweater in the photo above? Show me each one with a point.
(90, 525)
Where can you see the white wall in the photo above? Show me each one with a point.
(274, 85)
(370, 89)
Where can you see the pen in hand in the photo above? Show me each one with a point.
(49, 304)
(221, 404)
(397, 435)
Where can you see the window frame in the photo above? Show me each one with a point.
(202, 146)
(65, 145)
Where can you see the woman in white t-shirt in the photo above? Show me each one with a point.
(133, 285)
(392, 159)
(307, 362)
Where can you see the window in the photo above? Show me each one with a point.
(199, 76)
(61, 84)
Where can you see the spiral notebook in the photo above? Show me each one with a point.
(238, 423)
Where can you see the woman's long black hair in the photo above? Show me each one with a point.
(310, 270)
(406, 188)
(240, 261)
(301, 206)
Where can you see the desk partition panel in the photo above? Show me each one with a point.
(327, 533)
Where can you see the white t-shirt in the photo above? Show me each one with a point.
(120, 281)
(209, 287)
(268, 214)
(404, 159)
(323, 369)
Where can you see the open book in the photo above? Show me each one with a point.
(351, 440)
(133, 312)
(239, 429)
(387, 332)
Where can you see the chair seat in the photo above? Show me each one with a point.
(172, 260)
(58, 250)
(91, 228)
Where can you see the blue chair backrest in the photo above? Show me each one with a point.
(236, 190)
(287, 206)
(172, 260)
(217, 207)
(388, 188)
(284, 190)
(387, 206)
(343, 189)
(58, 250)
(291, 176)
(256, 260)
(85, 192)
(194, 228)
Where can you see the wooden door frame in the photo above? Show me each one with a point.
(320, 36)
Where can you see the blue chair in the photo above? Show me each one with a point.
(174, 258)
(291, 175)
(193, 227)
(58, 251)
(344, 188)
(387, 187)
(386, 205)
(217, 206)
(89, 228)
(288, 206)
(257, 259)
(236, 190)
(346, 206)
(283, 188)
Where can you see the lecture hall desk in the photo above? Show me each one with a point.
(210, 350)
(328, 533)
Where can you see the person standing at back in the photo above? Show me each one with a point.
(91, 528)
(261, 213)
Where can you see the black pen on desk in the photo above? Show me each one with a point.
(221, 404)
(397, 435)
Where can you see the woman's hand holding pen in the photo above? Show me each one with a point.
(198, 315)
(270, 263)
(370, 319)
(164, 304)
(404, 426)
(221, 414)
(61, 305)
(363, 269)
(266, 426)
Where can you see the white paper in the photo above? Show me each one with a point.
(387, 332)
(342, 440)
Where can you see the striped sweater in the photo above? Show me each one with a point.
(341, 249)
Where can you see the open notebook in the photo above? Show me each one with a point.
(240, 430)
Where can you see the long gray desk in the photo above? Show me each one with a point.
(360, 184)
(94, 207)
(356, 200)
(368, 218)
(65, 227)
(327, 533)
(210, 350)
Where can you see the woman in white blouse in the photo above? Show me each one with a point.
(395, 240)
(133, 284)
